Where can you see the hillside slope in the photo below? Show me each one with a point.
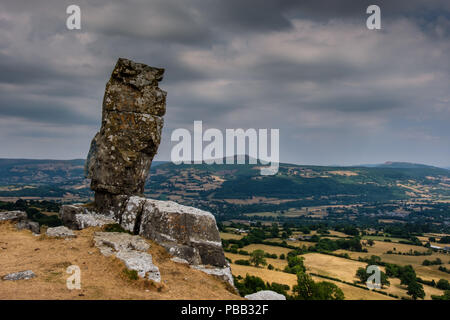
(101, 277)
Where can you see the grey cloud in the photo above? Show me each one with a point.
(309, 68)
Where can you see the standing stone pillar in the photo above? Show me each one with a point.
(122, 151)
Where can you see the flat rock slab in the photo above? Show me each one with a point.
(79, 217)
(21, 275)
(221, 273)
(60, 232)
(142, 262)
(111, 242)
(265, 295)
(131, 250)
(12, 216)
(29, 225)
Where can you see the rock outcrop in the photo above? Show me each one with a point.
(118, 164)
(131, 250)
(265, 295)
(60, 232)
(79, 217)
(22, 220)
(13, 216)
(29, 225)
(122, 151)
(189, 234)
(21, 275)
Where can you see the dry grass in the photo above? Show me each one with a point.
(350, 292)
(331, 266)
(277, 263)
(343, 173)
(400, 290)
(269, 249)
(228, 236)
(101, 277)
(293, 243)
(380, 248)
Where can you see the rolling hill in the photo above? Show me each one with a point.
(237, 188)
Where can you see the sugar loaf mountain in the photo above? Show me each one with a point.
(142, 229)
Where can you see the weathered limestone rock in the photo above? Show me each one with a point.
(141, 262)
(109, 242)
(22, 220)
(122, 151)
(21, 275)
(189, 234)
(60, 232)
(28, 225)
(13, 216)
(118, 164)
(131, 250)
(186, 232)
(79, 217)
(265, 295)
(223, 273)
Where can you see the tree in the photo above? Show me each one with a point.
(249, 285)
(370, 242)
(384, 279)
(443, 284)
(328, 291)
(304, 290)
(415, 290)
(445, 296)
(295, 265)
(407, 275)
(362, 275)
(274, 230)
(307, 289)
(257, 258)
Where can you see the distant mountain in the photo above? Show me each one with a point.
(404, 165)
(223, 188)
(398, 165)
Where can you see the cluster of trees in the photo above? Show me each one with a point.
(411, 253)
(327, 245)
(305, 289)
(435, 262)
(295, 264)
(251, 284)
(444, 269)
(445, 296)
(363, 276)
(443, 284)
(34, 209)
(308, 289)
(445, 239)
(408, 277)
(257, 258)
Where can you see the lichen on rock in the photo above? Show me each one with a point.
(122, 151)
(118, 164)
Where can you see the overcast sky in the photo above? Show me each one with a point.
(338, 92)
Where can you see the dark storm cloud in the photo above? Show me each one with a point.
(43, 111)
(310, 68)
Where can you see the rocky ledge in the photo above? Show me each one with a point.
(189, 234)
